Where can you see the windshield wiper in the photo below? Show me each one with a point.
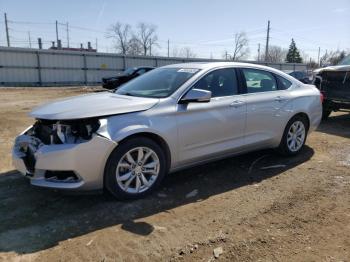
(126, 94)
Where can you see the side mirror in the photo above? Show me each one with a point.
(196, 95)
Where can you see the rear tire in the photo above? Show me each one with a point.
(135, 168)
(294, 136)
(325, 113)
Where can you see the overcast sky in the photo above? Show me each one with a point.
(207, 27)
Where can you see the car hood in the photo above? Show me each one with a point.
(92, 105)
(332, 68)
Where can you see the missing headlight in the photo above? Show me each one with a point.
(65, 132)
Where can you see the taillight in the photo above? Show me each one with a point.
(322, 96)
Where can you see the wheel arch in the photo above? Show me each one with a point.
(150, 135)
(156, 138)
(303, 115)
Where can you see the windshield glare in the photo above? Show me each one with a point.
(129, 71)
(345, 61)
(158, 83)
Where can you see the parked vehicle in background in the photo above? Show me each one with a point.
(127, 75)
(302, 76)
(334, 84)
(171, 118)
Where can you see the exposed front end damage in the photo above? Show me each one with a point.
(63, 154)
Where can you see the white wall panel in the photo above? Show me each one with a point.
(17, 59)
(59, 60)
(21, 75)
(68, 66)
(62, 75)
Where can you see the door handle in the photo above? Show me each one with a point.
(280, 98)
(237, 103)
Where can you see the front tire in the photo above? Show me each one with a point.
(294, 136)
(135, 168)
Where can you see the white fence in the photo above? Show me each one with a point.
(33, 67)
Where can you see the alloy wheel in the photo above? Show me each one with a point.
(137, 170)
(296, 136)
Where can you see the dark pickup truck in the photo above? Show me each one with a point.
(334, 84)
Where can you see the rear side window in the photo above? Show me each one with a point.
(283, 83)
(221, 82)
(259, 80)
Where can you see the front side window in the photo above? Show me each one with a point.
(158, 83)
(221, 82)
(259, 80)
(141, 71)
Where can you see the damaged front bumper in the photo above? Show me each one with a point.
(63, 166)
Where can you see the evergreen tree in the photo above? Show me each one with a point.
(293, 55)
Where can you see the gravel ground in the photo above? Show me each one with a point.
(296, 209)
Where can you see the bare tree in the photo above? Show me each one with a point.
(146, 34)
(185, 52)
(134, 46)
(276, 54)
(241, 49)
(332, 57)
(305, 56)
(121, 34)
(175, 52)
(226, 55)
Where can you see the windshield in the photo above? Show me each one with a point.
(345, 61)
(158, 83)
(129, 71)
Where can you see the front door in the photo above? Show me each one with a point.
(206, 129)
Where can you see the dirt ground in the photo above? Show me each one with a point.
(296, 210)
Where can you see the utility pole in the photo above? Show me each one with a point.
(168, 47)
(96, 43)
(40, 44)
(67, 29)
(267, 40)
(258, 52)
(56, 32)
(226, 55)
(7, 31)
(150, 48)
(318, 57)
(29, 39)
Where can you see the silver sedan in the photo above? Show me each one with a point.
(171, 118)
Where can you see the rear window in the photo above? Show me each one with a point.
(283, 83)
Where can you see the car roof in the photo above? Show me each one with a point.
(212, 65)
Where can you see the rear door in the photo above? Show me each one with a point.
(267, 106)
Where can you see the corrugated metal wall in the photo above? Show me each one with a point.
(31, 67)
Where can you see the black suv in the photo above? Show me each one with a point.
(130, 73)
(334, 84)
(302, 76)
